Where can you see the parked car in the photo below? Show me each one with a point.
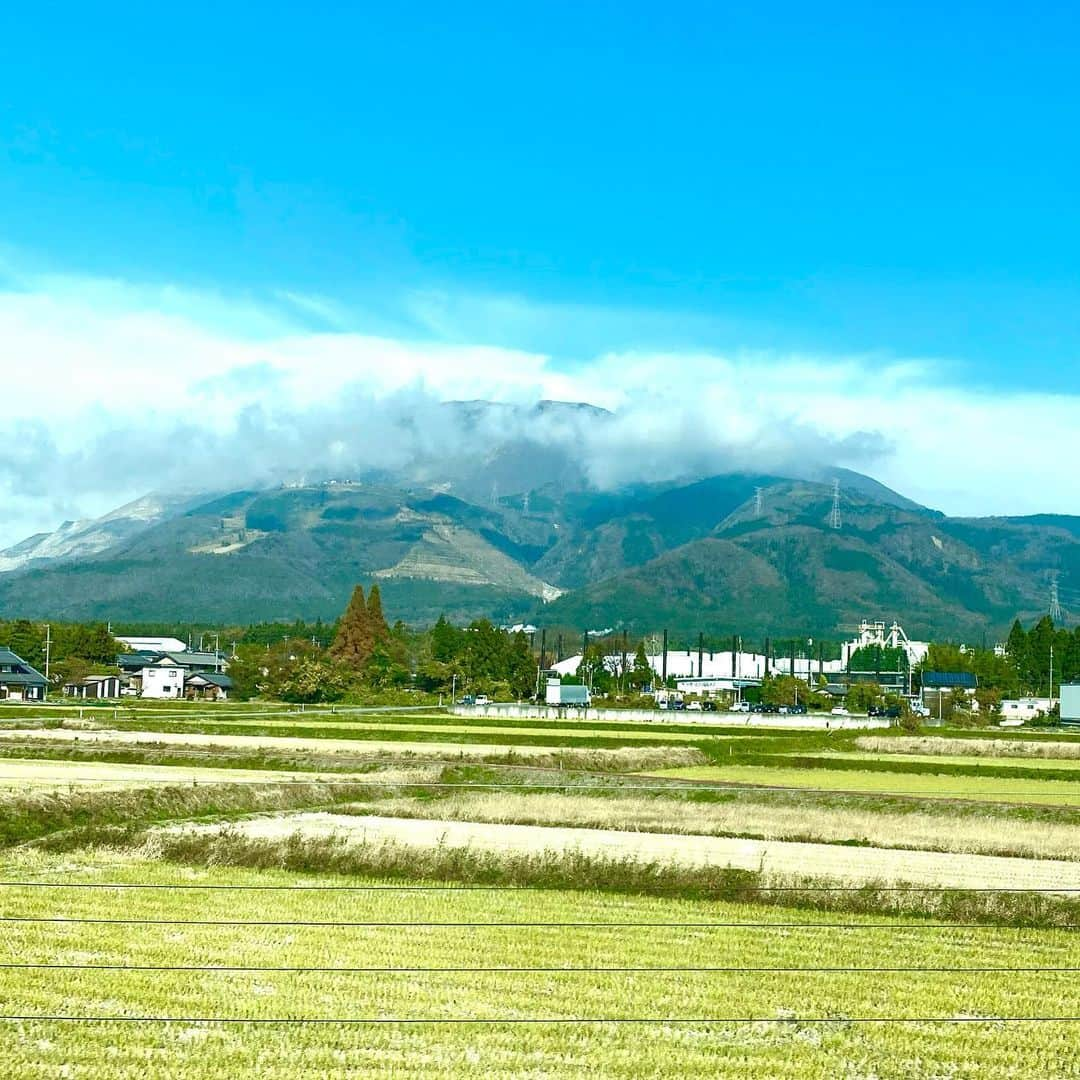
(694, 706)
(483, 699)
(468, 699)
(840, 711)
(797, 710)
(740, 706)
(709, 706)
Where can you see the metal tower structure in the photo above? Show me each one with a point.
(759, 501)
(1055, 600)
(834, 517)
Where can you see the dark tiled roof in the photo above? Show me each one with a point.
(24, 676)
(946, 679)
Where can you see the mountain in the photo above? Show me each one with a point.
(79, 539)
(509, 529)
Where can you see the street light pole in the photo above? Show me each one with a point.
(453, 689)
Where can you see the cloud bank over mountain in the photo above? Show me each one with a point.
(113, 389)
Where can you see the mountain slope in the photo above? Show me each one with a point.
(707, 555)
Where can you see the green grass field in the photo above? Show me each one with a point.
(923, 785)
(733, 1020)
(990, 764)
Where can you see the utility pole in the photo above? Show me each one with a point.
(1051, 675)
(664, 676)
(453, 689)
(48, 649)
(700, 653)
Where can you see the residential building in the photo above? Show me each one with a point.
(939, 684)
(1028, 708)
(18, 680)
(207, 686)
(160, 681)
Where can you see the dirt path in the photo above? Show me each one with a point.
(852, 865)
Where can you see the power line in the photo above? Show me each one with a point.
(518, 924)
(214, 887)
(519, 1021)
(316, 969)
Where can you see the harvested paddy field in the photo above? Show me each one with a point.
(921, 785)
(763, 820)
(520, 982)
(849, 865)
(981, 761)
(20, 774)
(938, 746)
(615, 759)
(641, 732)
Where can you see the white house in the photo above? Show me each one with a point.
(1028, 708)
(162, 682)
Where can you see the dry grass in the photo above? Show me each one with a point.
(937, 745)
(913, 831)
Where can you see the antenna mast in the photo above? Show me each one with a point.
(834, 517)
(1055, 600)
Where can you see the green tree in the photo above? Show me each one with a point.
(861, 696)
(641, 673)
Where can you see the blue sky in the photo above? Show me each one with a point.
(896, 184)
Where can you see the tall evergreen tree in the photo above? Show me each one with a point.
(354, 641)
(377, 625)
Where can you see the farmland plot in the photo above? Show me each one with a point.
(451, 982)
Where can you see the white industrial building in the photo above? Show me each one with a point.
(1070, 702)
(714, 670)
(153, 644)
(885, 637)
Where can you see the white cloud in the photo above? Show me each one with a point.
(110, 389)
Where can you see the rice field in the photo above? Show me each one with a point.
(832, 862)
(743, 816)
(520, 982)
(921, 785)
(20, 774)
(937, 746)
(988, 762)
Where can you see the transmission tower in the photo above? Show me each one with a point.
(759, 501)
(525, 503)
(1055, 600)
(494, 493)
(834, 517)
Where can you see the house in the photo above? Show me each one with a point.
(157, 681)
(937, 685)
(208, 686)
(191, 661)
(94, 686)
(18, 680)
(1029, 708)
